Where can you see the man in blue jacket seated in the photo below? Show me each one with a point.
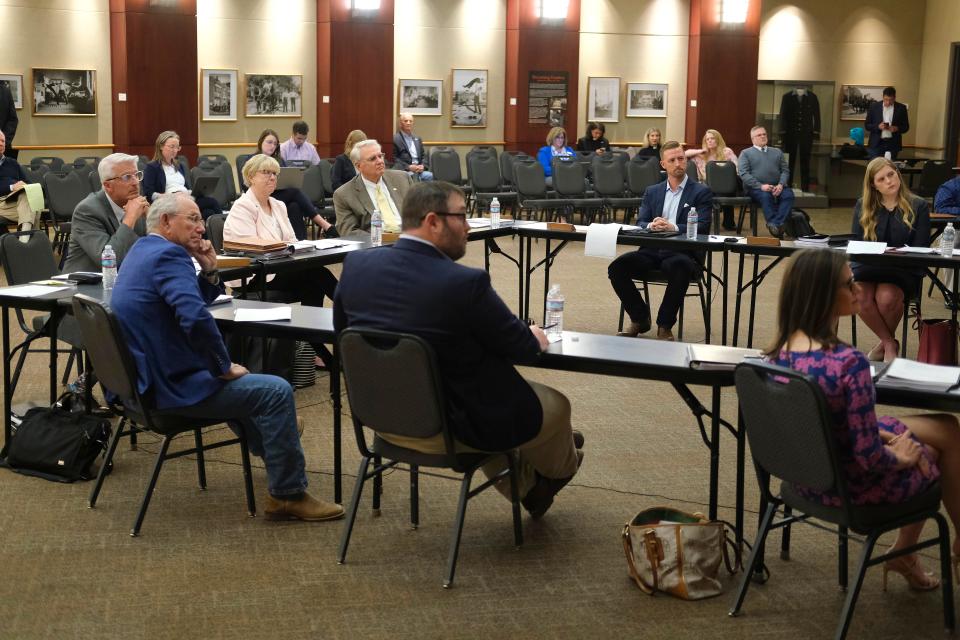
(665, 207)
(948, 197)
(416, 286)
(182, 363)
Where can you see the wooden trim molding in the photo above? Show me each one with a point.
(49, 147)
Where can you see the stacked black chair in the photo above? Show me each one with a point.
(94, 179)
(93, 161)
(239, 161)
(65, 193)
(116, 370)
(609, 182)
(212, 158)
(411, 406)
(52, 163)
(325, 166)
(303, 164)
(507, 158)
(642, 173)
(185, 163)
(799, 447)
(531, 186)
(723, 181)
(487, 183)
(220, 193)
(933, 174)
(569, 181)
(214, 225)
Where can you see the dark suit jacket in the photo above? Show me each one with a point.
(875, 117)
(694, 194)
(155, 180)
(401, 152)
(161, 304)
(343, 171)
(412, 287)
(8, 114)
(891, 227)
(93, 226)
(11, 173)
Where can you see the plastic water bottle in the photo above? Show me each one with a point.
(947, 240)
(108, 265)
(554, 320)
(376, 228)
(692, 221)
(494, 213)
(888, 155)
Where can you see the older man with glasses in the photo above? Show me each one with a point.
(374, 187)
(112, 216)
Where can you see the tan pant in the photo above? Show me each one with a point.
(551, 453)
(17, 209)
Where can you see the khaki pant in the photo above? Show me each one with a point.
(551, 453)
(16, 209)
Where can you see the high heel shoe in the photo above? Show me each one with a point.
(876, 354)
(896, 352)
(909, 567)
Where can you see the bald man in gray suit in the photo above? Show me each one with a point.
(374, 187)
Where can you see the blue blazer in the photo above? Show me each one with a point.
(161, 304)
(875, 117)
(155, 181)
(412, 287)
(694, 195)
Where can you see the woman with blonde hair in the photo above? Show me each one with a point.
(888, 212)
(713, 148)
(556, 147)
(343, 169)
(653, 138)
(165, 174)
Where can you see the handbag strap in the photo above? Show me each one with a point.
(632, 567)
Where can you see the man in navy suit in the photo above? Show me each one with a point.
(182, 363)
(886, 121)
(417, 287)
(665, 207)
(408, 153)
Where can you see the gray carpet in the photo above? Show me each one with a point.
(203, 569)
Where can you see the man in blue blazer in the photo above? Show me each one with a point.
(417, 287)
(665, 207)
(182, 363)
(886, 121)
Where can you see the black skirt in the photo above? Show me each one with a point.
(909, 280)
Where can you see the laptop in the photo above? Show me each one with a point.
(290, 178)
(204, 186)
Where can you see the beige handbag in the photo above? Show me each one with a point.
(677, 552)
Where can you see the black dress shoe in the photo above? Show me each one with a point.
(775, 230)
(539, 498)
(577, 439)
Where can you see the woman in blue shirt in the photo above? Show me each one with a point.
(556, 147)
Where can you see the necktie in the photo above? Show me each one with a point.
(390, 222)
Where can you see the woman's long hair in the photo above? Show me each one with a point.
(808, 298)
(353, 138)
(721, 145)
(263, 136)
(871, 201)
(162, 140)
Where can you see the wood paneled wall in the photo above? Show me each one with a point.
(532, 46)
(153, 48)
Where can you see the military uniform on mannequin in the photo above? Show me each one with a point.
(800, 123)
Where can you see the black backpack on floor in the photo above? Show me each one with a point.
(798, 224)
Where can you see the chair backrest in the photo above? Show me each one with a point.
(568, 177)
(214, 226)
(609, 176)
(239, 161)
(83, 170)
(312, 186)
(326, 172)
(220, 191)
(185, 162)
(104, 342)
(52, 163)
(65, 193)
(212, 158)
(796, 446)
(231, 185)
(95, 183)
(411, 402)
(692, 172)
(484, 172)
(530, 180)
(507, 159)
(642, 174)
(445, 165)
(722, 177)
(299, 163)
(93, 161)
(933, 174)
(477, 151)
(25, 262)
(620, 154)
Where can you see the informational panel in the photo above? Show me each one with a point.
(547, 97)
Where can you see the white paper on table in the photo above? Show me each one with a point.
(602, 240)
(859, 246)
(332, 243)
(30, 290)
(630, 227)
(554, 337)
(903, 369)
(478, 223)
(263, 315)
(906, 249)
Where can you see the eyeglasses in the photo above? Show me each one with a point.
(268, 172)
(455, 214)
(193, 219)
(379, 156)
(127, 177)
(172, 147)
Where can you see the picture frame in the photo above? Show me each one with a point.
(603, 99)
(218, 94)
(646, 100)
(64, 92)
(855, 99)
(420, 97)
(15, 82)
(468, 98)
(273, 95)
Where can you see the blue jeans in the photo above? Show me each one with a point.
(423, 176)
(775, 210)
(262, 407)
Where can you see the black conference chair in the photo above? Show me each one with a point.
(798, 447)
(412, 406)
(642, 173)
(211, 158)
(933, 174)
(214, 225)
(219, 192)
(659, 278)
(185, 163)
(487, 183)
(116, 371)
(609, 182)
(445, 164)
(569, 181)
(477, 151)
(531, 185)
(94, 179)
(303, 164)
(52, 163)
(723, 181)
(65, 193)
(93, 161)
(239, 161)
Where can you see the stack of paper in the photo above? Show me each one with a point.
(910, 374)
(816, 240)
(861, 247)
(712, 357)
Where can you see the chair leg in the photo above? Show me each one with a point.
(352, 511)
(620, 324)
(19, 368)
(66, 370)
(247, 476)
(414, 497)
(847, 614)
(201, 467)
(843, 551)
(754, 557)
(515, 500)
(107, 461)
(785, 538)
(458, 528)
(161, 456)
(946, 573)
(680, 324)
(377, 486)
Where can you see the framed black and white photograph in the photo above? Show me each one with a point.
(855, 99)
(64, 92)
(15, 83)
(603, 99)
(468, 98)
(273, 96)
(420, 97)
(218, 94)
(646, 100)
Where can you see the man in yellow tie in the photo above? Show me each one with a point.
(374, 187)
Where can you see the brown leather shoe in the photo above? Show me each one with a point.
(636, 328)
(309, 509)
(300, 425)
(665, 334)
(539, 498)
